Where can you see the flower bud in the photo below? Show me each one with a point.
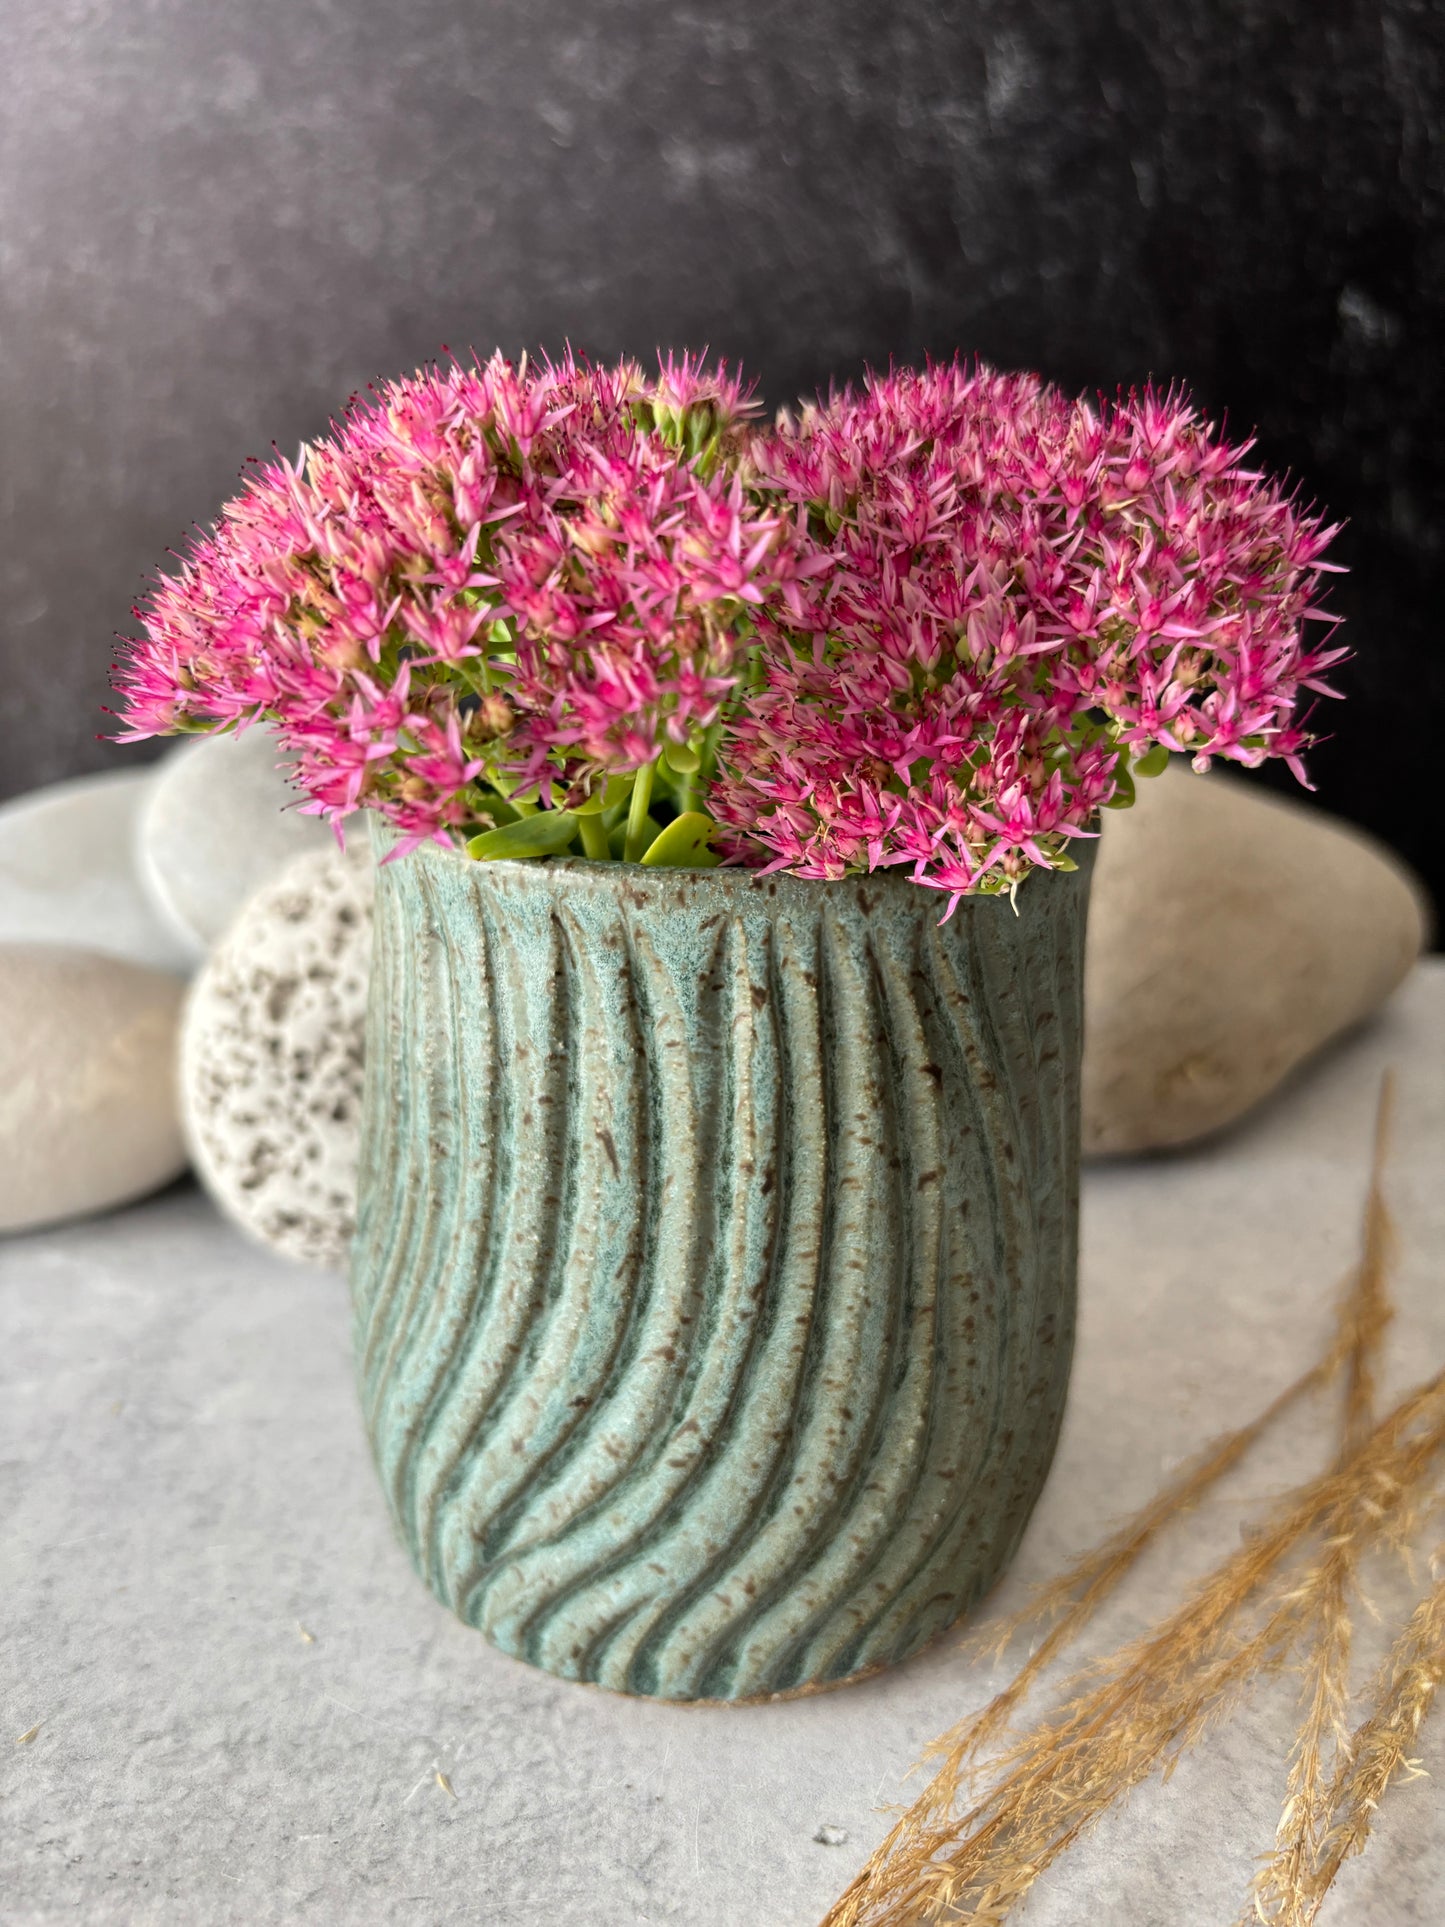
(493, 716)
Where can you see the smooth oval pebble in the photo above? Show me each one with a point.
(271, 1056)
(221, 821)
(67, 871)
(87, 1083)
(1231, 934)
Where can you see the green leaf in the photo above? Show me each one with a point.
(500, 812)
(1123, 787)
(606, 796)
(546, 834)
(595, 846)
(686, 844)
(641, 829)
(682, 759)
(1153, 762)
(617, 837)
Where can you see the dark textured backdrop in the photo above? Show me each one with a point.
(216, 221)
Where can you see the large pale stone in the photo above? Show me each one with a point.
(87, 1083)
(271, 1056)
(67, 871)
(220, 821)
(1231, 934)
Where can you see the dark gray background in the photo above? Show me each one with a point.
(216, 220)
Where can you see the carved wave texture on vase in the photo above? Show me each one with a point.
(714, 1276)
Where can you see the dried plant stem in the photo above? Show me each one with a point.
(1154, 1698)
(1162, 1692)
(1279, 1893)
(1072, 1598)
(1286, 1592)
(1068, 1602)
(1369, 1296)
(1380, 1746)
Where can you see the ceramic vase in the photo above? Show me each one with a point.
(715, 1265)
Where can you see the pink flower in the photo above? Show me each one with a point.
(925, 625)
(494, 573)
(999, 594)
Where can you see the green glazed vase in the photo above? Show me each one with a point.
(715, 1263)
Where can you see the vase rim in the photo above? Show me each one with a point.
(640, 883)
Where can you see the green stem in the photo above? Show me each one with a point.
(636, 844)
(594, 839)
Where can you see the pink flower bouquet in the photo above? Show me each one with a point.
(936, 623)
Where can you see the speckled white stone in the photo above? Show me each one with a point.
(67, 871)
(1231, 934)
(87, 1083)
(271, 1056)
(220, 821)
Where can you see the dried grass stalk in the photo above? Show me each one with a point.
(1124, 1718)
(1380, 1746)
(1066, 1603)
(1136, 1712)
(1280, 1891)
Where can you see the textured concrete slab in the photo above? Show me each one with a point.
(246, 1698)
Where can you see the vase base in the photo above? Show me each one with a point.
(811, 1689)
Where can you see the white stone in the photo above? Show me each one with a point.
(67, 871)
(87, 1083)
(1231, 934)
(271, 1056)
(221, 821)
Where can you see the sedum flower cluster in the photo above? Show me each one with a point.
(1020, 594)
(935, 623)
(488, 589)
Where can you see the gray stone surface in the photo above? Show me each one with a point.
(271, 1055)
(220, 820)
(187, 1489)
(67, 871)
(88, 1113)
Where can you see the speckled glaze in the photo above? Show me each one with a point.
(714, 1271)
